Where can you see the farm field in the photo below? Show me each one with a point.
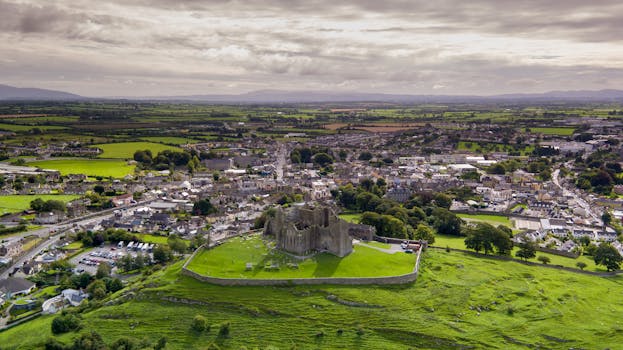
(90, 167)
(169, 140)
(459, 301)
(23, 128)
(126, 150)
(17, 203)
(562, 131)
(229, 260)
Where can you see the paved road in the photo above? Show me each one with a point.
(281, 162)
(52, 233)
(581, 202)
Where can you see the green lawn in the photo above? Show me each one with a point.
(494, 220)
(73, 245)
(126, 150)
(354, 218)
(229, 260)
(562, 131)
(17, 203)
(171, 140)
(90, 167)
(152, 238)
(458, 302)
(378, 244)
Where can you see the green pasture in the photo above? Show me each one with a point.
(126, 150)
(561, 131)
(170, 140)
(350, 217)
(17, 203)
(26, 128)
(229, 260)
(90, 167)
(147, 238)
(494, 220)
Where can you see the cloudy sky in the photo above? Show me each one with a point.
(166, 47)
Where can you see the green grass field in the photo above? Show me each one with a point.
(90, 167)
(229, 261)
(494, 220)
(353, 218)
(17, 203)
(459, 243)
(25, 128)
(458, 302)
(562, 131)
(171, 140)
(147, 238)
(126, 150)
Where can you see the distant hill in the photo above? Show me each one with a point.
(13, 93)
(278, 96)
(282, 96)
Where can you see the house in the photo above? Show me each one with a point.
(74, 297)
(123, 200)
(15, 286)
(49, 217)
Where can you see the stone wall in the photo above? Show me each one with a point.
(400, 279)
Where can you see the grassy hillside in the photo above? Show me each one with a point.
(229, 261)
(459, 301)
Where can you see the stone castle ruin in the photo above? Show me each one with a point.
(304, 230)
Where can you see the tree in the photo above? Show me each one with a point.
(322, 159)
(606, 218)
(497, 169)
(446, 222)
(526, 250)
(65, 323)
(424, 232)
(99, 189)
(365, 156)
(123, 343)
(37, 204)
(97, 289)
(162, 254)
(608, 256)
(224, 330)
(115, 285)
(199, 324)
(89, 341)
(103, 270)
(581, 265)
(204, 207)
(443, 200)
(544, 259)
(177, 244)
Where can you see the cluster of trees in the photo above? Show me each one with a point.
(488, 238)
(602, 171)
(166, 159)
(204, 207)
(542, 167)
(39, 205)
(415, 220)
(94, 341)
(95, 239)
(317, 155)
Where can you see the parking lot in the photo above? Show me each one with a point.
(89, 261)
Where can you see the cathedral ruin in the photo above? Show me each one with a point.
(304, 230)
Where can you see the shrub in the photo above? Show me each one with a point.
(224, 330)
(544, 259)
(65, 323)
(581, 265)
(199, 324)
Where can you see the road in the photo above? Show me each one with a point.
(581, 202)
(281, 162)
(51, 234)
